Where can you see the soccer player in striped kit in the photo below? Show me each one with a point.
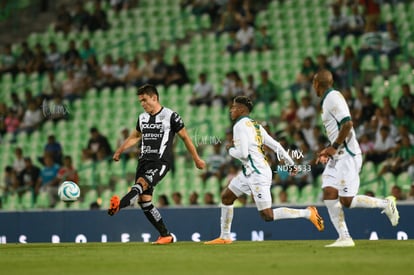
(155, 128)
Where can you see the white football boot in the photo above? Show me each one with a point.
(342, 242)
(391, 210)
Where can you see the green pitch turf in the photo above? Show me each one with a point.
(254, 258)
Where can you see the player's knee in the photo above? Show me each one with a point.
(141, 181)
(346, 201)
(267, 217)
(330, 193)
(226, 200)
(227, 197)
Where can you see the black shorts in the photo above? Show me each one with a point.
(153, 172)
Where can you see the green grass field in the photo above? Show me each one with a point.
(269, 257)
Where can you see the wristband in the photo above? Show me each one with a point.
(335, 145)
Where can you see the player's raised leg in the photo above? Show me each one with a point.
(282, 213)
(113, 205)
(116, 204)
(387, 205)
(263, 200)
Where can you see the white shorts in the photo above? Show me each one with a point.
(254, 184)
(343, 175)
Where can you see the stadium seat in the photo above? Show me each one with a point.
(275, 193)
(404, 70)
(293, 194)
(87, 176)
(12, 202)
(384, 62)
(369, 167)
(404, 181)
(307, 195)
(368, 64)
(121, 187)
(89, 197)
(103, 173)
(26, 200)
(42, 200)
(388, 181)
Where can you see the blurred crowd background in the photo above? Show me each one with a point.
(68, 92)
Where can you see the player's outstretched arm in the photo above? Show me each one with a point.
(277, 148)
(280, 151)
(133, 139)
(183, 134)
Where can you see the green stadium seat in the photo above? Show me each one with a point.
(205, 21)
(121, 187)
(384, 62)
(368, 64)
(61, 205)
(87, 176)
(351, 40)
(103, 173)
(378, 94)
(293, 194)
(395, 95)
(26, 200)
(405, 71)
(275, 194)
(89, 197)
(389, 181)
(386, 12)
(404, 181)
(42, 200)
(12, 202)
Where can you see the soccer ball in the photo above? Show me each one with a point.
(69, 191)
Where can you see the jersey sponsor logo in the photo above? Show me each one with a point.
(152, 135)
(149, 150)
(152, 126)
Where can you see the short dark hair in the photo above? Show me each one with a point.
(244, 100)
(385, 128)
(148, 89)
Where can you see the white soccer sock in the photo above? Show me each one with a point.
(336, 213)
(226, 220)
(368, 202)
(290, 213)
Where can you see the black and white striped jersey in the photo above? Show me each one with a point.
(158, 133)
